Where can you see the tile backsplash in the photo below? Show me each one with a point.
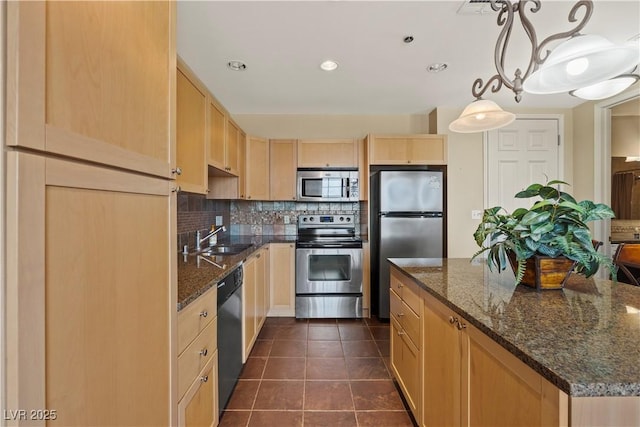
(196, 212)
(241, 217)
(267, 217)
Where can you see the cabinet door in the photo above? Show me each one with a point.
(199, 407)
(242, 165)
(327, 153)
(107, 301)
(405, 364)
(248, 307)
(217, 133)
(191, 148)
(234, 136)
(257, 170)
(502, 390)
(282, 167)
(408, 149)
(282, 279)
(441, 367)
(366, 279)
(363, 168)
(262, 288)
(94, 81)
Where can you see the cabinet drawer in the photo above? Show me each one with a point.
(199, 406)
(195, 317)
(196, 356)
(408, 320)
(406, 290)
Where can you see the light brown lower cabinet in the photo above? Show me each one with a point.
(255, 302)
(282, 280)
(469, 379)
(199, 406)
(198, 362)
(405, 307)
(462, 376)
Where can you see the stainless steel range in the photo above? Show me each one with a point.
(328, 267)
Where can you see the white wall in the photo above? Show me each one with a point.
(329, 126)
(465, 182)
(466, 176)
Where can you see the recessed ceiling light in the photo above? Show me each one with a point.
(437, 67)
(329, 65)
(237, 65)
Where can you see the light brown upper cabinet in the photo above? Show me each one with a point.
(235, 137)
(217, 134)
(363, 167)
(420, 149)
(282, 166)
(325, 153)
(191, 129)
(98, 79)
(257, 169)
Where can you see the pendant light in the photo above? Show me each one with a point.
(580, 61)
(607, 88)
(481, 115)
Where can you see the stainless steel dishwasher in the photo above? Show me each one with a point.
(229, 335)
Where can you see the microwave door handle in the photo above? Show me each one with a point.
(345, 188)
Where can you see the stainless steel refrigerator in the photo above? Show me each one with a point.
(408, 210)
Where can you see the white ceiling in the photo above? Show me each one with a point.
(283, 43)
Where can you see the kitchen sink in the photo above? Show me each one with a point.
(220, 250)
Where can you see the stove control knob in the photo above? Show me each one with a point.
(348, 219)
(311, 218)
(304, 219)
(341, 218)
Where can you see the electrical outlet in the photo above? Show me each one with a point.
(218, 220)
(286, 219)
(475, 214)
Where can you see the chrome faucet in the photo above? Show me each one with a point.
(200, 239)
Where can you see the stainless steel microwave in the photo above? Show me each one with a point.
(322, 185)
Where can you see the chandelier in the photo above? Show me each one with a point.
(586, 66)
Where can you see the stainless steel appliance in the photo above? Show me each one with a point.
(328, 267)
(323, 185)
(229, 335)
(408, 222)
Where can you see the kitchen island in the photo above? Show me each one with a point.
(581, 342)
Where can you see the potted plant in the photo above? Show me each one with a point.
(550, 238)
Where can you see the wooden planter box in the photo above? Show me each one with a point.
(543, 272)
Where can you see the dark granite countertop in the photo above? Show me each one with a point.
(197, 275)
(585, 339)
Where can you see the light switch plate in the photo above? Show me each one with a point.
(476, 214)
(286, 219)
(218, 220)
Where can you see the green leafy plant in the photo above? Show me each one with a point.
(554, 226)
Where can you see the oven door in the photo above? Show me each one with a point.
(328, 271)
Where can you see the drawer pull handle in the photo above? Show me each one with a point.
(400, 333)
(400, 314)
(452, 319)
(204, 352)
(204, 313)
(204, 379)
(461, 326)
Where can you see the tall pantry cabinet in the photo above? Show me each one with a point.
(90, 294)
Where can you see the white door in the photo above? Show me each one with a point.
(523, 153)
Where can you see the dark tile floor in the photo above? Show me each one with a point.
(312, 373)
